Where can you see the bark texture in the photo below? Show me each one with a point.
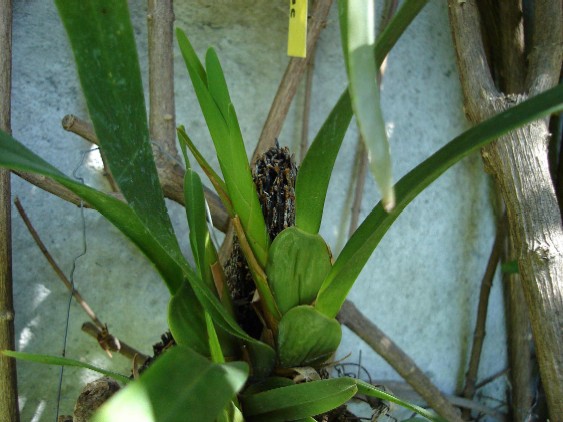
(8, 379)
(519, 165)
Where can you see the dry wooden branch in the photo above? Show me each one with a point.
(519, 345)
(8, 379)
(518, 162)
(290, 81)
(479, 333)
(170, 172)
(399, 360)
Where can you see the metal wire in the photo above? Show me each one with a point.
(71, 278)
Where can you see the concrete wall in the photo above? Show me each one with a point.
(420, 286)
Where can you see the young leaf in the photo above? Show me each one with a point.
(357, 27)
(179, 385)
(306, 337)
(15, 156)
(214, 345)
(101, 36)
(60, 361)
(217, 182)
(371, 391)
(229, 145)
(299, 400)
(298, 263)
(363, 242)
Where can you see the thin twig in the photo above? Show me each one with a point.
(77, 296)
(479, 333)
(108, 340)
(105, 339)
(399, 360)
(8, 378)
(73, 124)
(361, 163)
(171, 176)
(290, 82)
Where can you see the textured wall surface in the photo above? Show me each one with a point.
(420, 286)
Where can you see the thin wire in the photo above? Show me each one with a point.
(71, 278)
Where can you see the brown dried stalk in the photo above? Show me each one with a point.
(8, 379)
(479, 333)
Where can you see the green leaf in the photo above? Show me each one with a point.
(357, 27)
(102, 41)
(216, 82)
(217, 182)
(186, 320)
(306, 337)
(60, 361)
(179, 385)
(227, 138)
(214, 345)
(298, 263)
(314, 174)
(15, 156)
(262, 356)
(298, 401)
(363, 242)
(370, 390)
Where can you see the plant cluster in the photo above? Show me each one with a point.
(217, 370)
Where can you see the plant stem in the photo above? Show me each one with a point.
(479, 333)
(8, 378)
(290, 82)
(123, 349)
(519, 165)
(399, 360)
(77, 296)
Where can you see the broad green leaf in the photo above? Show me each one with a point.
(370, 390)
(306, 337)
(298, 401)
(363, 242)
(102, 41)
(179, 385)
(314, 174)
(298, 263)
(15, 156)
(186, 320)
(60, 361)
(227, 138)
(357, 28)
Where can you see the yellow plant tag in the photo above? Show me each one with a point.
(297, 38)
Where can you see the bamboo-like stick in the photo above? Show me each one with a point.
(8, 379)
